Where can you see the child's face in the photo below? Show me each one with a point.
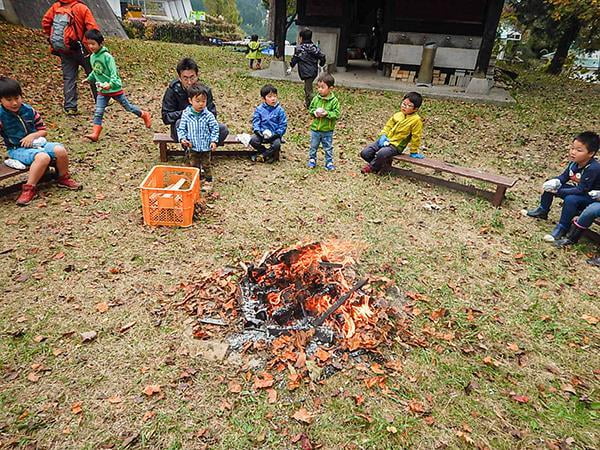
(271, 99)
(12, 104)
(323, 89)
(93, 46)
(407, 107)
(198, 102)
(579, 153)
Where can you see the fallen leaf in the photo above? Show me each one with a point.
(114, 399)
(377, 369)
(322, 355)
(39, 338)
(87, 336)
(519, 398)
(519, 256)
(33, 377)
(568, 388)
(234, 387)
(391, 429)
(127, 326)
(513, 347)
(76, 408)
(263, 380)
(302, 415)
(148, 415)
(59, 255)
(57, 351)
(151, 389)
(359, 400)
(416, 407)
(489, 361)
(592, 320)
(438, 314)
(271, 396)
(102, 307)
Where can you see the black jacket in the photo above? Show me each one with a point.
(307, 55)
(176, 100)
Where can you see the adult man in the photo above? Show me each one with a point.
(65, 24)
(176, 100)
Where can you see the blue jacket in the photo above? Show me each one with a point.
(15, 126)
(272, 118)
(580, 180)
(200, 128)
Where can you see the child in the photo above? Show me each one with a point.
(326, 109)
(22, 127)
(269, 123)
(402, 129)
(581, 176)
(106, 76)
(253, 52)
(306, 55)
(198, 130)
(583, 222)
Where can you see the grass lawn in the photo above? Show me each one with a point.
(513, 364)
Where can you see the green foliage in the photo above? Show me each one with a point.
(226, 8)
(254, 17)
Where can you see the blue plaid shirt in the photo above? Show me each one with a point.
(200, 128)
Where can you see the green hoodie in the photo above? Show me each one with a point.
(330, 104)
(104, 70)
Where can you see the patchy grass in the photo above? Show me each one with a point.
(516, 307)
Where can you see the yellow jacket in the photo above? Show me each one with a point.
(402, 129)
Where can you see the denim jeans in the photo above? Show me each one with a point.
(324, 138)
(379, 157)
(573, 205)
(102, 101)
(589, 214)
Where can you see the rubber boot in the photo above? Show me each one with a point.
(147, 119)
(95, 134)
(571, 238)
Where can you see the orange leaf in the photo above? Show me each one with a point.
(520, 398)
(114, 399)
(151, 389)
(513, 347)
(489, 361)
(322, 355)
(359, 400)
(76, 408)
(438, 314)
(263, 380)
(102, 307)
(59, 255)
(234, 387)
(590, 319)
(148, 415)
(416, 407)
(271, 396)
(33, 377)
(302, 415)
(519, 256)
(379, 380)
(376, 368)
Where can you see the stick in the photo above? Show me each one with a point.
(319, 321)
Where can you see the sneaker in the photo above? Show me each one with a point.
(253, 158)
(329, 166)
(537, 213)
(67, 182)
(28, 193)
(260, 158)
(312, 163)
(208, 178)
(367, 169)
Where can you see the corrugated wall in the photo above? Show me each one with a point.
(30, 14)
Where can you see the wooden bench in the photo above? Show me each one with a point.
(163, 140)
(502, 183)
(8, 172)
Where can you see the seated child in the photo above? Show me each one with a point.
(581, 176)
(325, 107)
(402, 129)
(24, 134)
(582, 223)
(198, 130)
(106, 76)
(269, 123)
(253, 52)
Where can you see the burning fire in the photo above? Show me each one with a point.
(304, 283)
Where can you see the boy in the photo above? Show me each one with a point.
(106, 76)
(583, 222)
(20, 127)
(269, 123)
(403, 129)
(306, 55)
(325, 107)
(253, 52)
(581, 176)
(198, 130)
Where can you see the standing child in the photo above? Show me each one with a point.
(253, 52)
(307, 55)
(198, 130)
(269, 123)
(106, 76)
(403, 129)
(325, 107)
(24, 134)
(581, 176)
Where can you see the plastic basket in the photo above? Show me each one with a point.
(170, 207)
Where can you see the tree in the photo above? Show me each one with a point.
(226, 8)
(254, 17)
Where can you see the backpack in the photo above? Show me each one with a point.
(63, 36)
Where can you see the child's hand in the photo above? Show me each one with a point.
(417, 155)
(267, 134)
(186, 144)
(27, 141)
(288, 71)
(213, 145)
(105, 86)
(594, 194)
(383, 141)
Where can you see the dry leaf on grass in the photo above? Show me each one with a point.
(33, 377)
(271, 396)
(88, 336)
(302, 415)
(76, 408)
(234, 387)
(102, 307)
(114, 399)
(151, 389)
(263, 380)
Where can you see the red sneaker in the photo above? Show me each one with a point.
(366, 169)
(28, 193)
(67, 182)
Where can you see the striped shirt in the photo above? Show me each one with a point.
(199, 128)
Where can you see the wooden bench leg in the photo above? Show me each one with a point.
(163, 151)
(499, 195)
(276, 155)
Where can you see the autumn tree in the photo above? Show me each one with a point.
(226, 8)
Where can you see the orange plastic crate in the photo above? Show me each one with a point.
(170, 207)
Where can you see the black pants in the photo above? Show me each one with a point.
(379, 157)
(70, 64)
(223, 132)
(258, 143)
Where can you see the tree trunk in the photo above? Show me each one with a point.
(271, 21)
(562, 49)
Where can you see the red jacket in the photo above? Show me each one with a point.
(83, 20)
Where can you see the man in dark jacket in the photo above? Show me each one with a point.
(307, 55)
(176, 100)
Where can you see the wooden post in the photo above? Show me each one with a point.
(492, 19)
(163, 151)
(279, 17)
